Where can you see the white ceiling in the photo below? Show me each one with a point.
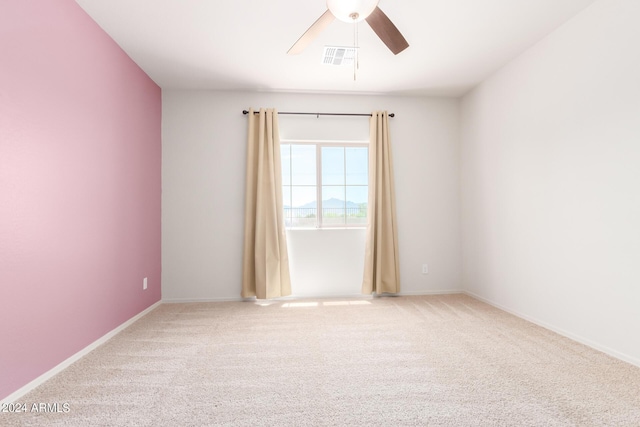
(242, 44)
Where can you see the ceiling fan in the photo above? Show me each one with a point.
(354, 11)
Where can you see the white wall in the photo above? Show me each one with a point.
(550, 178)
(204, 148)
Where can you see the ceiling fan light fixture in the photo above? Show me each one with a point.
(351, 10)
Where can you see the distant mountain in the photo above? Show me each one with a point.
(331, 203)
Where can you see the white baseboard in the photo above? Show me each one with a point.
(597, 346)
(287, 298)
(189, 300)
(436, 292)
(305, 296)
(68, 362)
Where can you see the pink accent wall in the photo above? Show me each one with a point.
(80, 184)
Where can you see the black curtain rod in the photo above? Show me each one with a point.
(320, 114)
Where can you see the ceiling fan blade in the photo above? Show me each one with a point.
(388, 33)
(313, 31)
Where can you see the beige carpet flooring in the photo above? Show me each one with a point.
(426, 360)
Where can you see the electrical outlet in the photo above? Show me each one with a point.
(144, 283)
(425, 269)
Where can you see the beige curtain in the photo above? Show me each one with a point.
(381, 266)
(265, 272)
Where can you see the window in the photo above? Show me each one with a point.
(325, 184)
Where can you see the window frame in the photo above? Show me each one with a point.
(319, 144)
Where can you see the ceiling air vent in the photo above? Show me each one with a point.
(338, 55)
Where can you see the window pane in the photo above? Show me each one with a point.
(332, 165)
(303, 165)
(285, 159)
(357, 165)
(333, 205)
(303, 210)
(344, 179)
(357, 198)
